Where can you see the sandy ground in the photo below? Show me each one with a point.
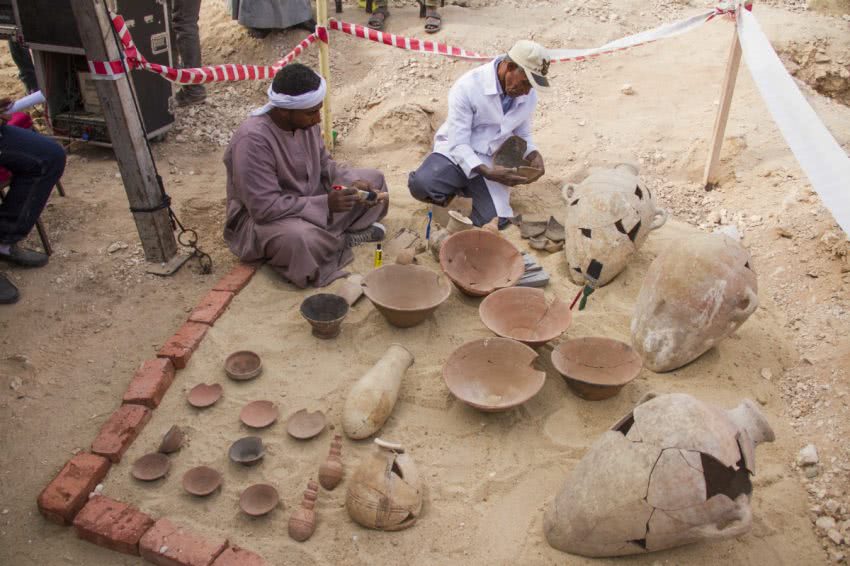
(89, 318)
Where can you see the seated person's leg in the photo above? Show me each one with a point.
(437, 181)
(361, 217)
(483, 209)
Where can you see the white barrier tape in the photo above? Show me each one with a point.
(824, 161)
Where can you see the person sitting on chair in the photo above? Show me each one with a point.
(36, 164)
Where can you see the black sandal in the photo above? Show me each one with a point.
(378, 19)
(433, 21)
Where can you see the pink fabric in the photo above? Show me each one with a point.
(19, 120)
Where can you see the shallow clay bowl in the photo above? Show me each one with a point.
(304, 425)
(258, 414)
(493, 374)
(247, 451)
(258, 499)
(172, 441)
(325, 313)
(151, 467)
(201, 481)
(596, 368)
(203, 395)
(480, 262)
(243, 365)
(406, 294)
(523, 314)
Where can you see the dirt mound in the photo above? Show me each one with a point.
(406, 123)
(824, 69)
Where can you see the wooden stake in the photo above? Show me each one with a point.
(126, 133)
(709, 180)
(325, 70)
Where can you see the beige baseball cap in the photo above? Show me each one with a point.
(534, 60)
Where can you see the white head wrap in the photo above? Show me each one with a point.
(299, 102)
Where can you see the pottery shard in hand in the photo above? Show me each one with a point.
(385, 492)
(609, 216)
(674, 471)
(370, 402)
(695, 294)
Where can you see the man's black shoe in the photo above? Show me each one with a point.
(8, 292)
(24, 257)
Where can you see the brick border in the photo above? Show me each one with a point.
(69, 497)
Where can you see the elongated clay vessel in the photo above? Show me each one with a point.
(695, 294)
(609, 216)
(302, 522)
(385, 492)
(674, 471)
(330, 472)
(371, 400)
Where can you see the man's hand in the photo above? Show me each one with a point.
(362, 185)
(504, 175)
(342, 201)
(535, 160)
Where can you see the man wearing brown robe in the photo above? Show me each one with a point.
(288, 202)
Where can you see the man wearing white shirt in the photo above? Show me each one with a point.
(487, 105)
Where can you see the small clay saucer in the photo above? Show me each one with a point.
(151, 467)
(201, 481)
(243, 365)
(172, 441)
(258, 414)
(247, 451)
(203, 395)
(258, 499)
(304, 425)
(596, 368)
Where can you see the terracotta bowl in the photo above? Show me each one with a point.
(493, 374)
(151, 467)
(172, 441)
(406, 294)
(258, 499)
(596, 368)
(523, 314)
(258, 414)
(201, 481)
(243, 365)
(325, 313)
(203, 395)
(304, 425)
(480, 262)
(247, 451)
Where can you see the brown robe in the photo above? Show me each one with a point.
(277, 202)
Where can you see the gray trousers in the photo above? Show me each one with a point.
(184, 18)
(438, 179)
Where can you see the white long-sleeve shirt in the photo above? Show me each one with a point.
(476, 126)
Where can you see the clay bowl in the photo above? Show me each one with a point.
(258, 414)
(258, 499)
(203, 395)
(172, 441)
(406, 294)
(596, 368)
(480, 262)
(522, 313)
(151, 467)
(493, 374)
(247, 451)
(201, 481)
(243, 365)
(304, 425)
(325, 313)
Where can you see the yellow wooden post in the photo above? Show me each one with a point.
(325, 70)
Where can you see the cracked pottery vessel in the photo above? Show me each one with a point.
(479, 262)
(674, 471)
(370, 402)
(694, 295)
(609, 216)
(385, 492)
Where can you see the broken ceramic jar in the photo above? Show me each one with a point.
(674, 471)
(695, 294)
(609, 216)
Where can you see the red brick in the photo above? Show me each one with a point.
(150, 383)
(235, 556)
(211, 307)
(237, 278)
(112, 524)
(179, 347)
(63, 497)
(167, 544)
(120, 431)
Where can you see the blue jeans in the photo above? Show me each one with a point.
(36, 164)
